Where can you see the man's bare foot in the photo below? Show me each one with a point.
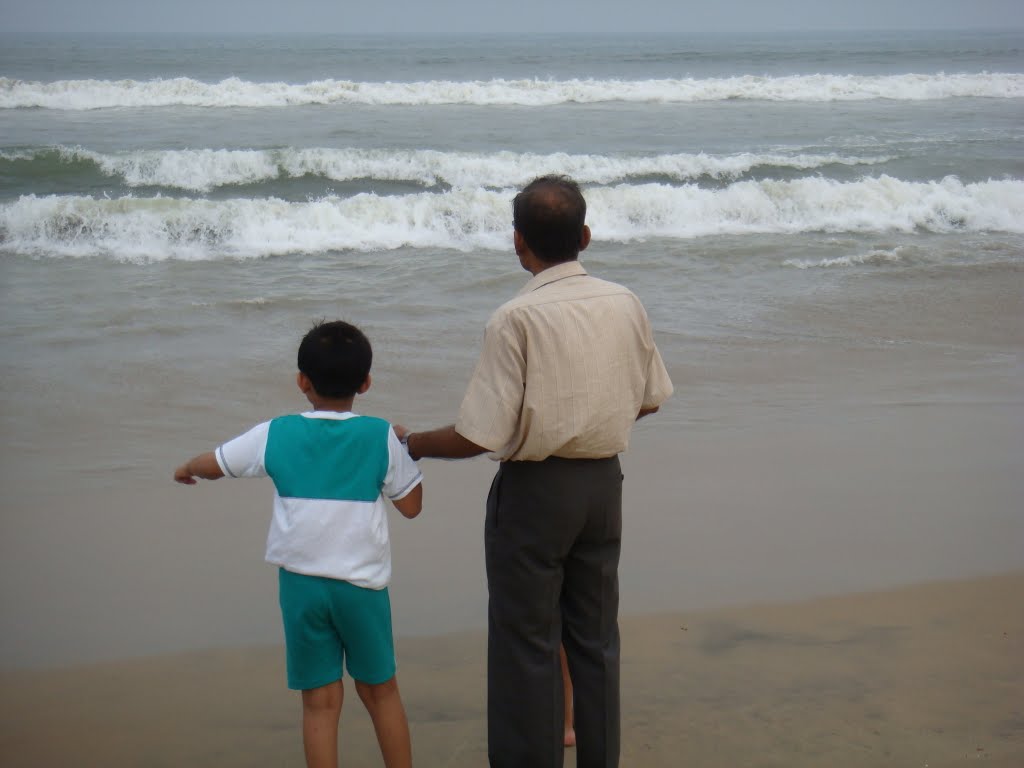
(570, 737)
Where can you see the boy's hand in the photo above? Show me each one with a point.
(204, 465)
(403, 437)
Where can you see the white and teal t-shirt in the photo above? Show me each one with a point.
(331, 472)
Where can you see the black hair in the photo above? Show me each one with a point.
(549, 213)
(336, 356)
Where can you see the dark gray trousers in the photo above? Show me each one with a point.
(552, 539)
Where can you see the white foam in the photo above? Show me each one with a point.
(204, 169)
(156, 228)
(234, 92)
(875, 257)
(15, 155)
(879, 204)
(159, 228)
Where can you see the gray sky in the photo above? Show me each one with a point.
(219, 17)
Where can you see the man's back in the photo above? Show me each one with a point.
(571, 357)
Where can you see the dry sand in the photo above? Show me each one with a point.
(929, 675)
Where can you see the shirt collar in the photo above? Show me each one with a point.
(552, 274)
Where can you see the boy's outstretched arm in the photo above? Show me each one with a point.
(410, 504)
(204, 465)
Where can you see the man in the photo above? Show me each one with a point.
(566, 368)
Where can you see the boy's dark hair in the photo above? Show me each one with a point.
(549, 213)
(336, 356)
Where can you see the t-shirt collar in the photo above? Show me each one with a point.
(552, 274)
(336, 415)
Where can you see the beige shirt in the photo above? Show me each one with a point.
(565, 368)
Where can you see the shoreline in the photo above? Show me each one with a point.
(922, 674)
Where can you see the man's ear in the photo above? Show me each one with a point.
(584, 238)
(518, 242)
(365, 385)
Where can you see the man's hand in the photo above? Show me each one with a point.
(443, 443)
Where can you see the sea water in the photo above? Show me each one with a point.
(815, 222)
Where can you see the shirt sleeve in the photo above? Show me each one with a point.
(244, 456)
(490, 409)
(403, 475)
(658, 388)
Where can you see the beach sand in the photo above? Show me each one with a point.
(927, 675)
(780, 473)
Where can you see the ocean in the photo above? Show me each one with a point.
(825, 228)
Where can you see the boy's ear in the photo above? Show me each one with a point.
(303, 382)
(365, 385)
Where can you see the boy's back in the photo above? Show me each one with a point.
(330, 472)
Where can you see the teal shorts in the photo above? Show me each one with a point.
(329, 623)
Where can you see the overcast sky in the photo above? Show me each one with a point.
(244, 17)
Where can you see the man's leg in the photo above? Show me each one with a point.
(570, 733)
(590, 606)
(524, 542)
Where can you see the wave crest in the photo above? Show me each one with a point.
(201, 170)
(157, 228)
(234, 92)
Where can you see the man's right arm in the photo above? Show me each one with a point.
(441, 443)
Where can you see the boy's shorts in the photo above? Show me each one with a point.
(327, 623)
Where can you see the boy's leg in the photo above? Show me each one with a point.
(315, 658)
(321, 710)
(384, 703)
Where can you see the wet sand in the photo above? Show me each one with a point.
(928, 675)
(882, 449)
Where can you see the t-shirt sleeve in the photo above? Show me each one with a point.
(403, 475)
(244, 456)
(490, 409)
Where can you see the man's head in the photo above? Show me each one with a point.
(335, 357)
(549, 216)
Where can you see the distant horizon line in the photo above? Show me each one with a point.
(916, 31)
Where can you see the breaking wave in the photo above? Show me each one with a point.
(201, 170)
(234, 92)
(158, 228)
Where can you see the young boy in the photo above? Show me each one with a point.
(329, 537)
